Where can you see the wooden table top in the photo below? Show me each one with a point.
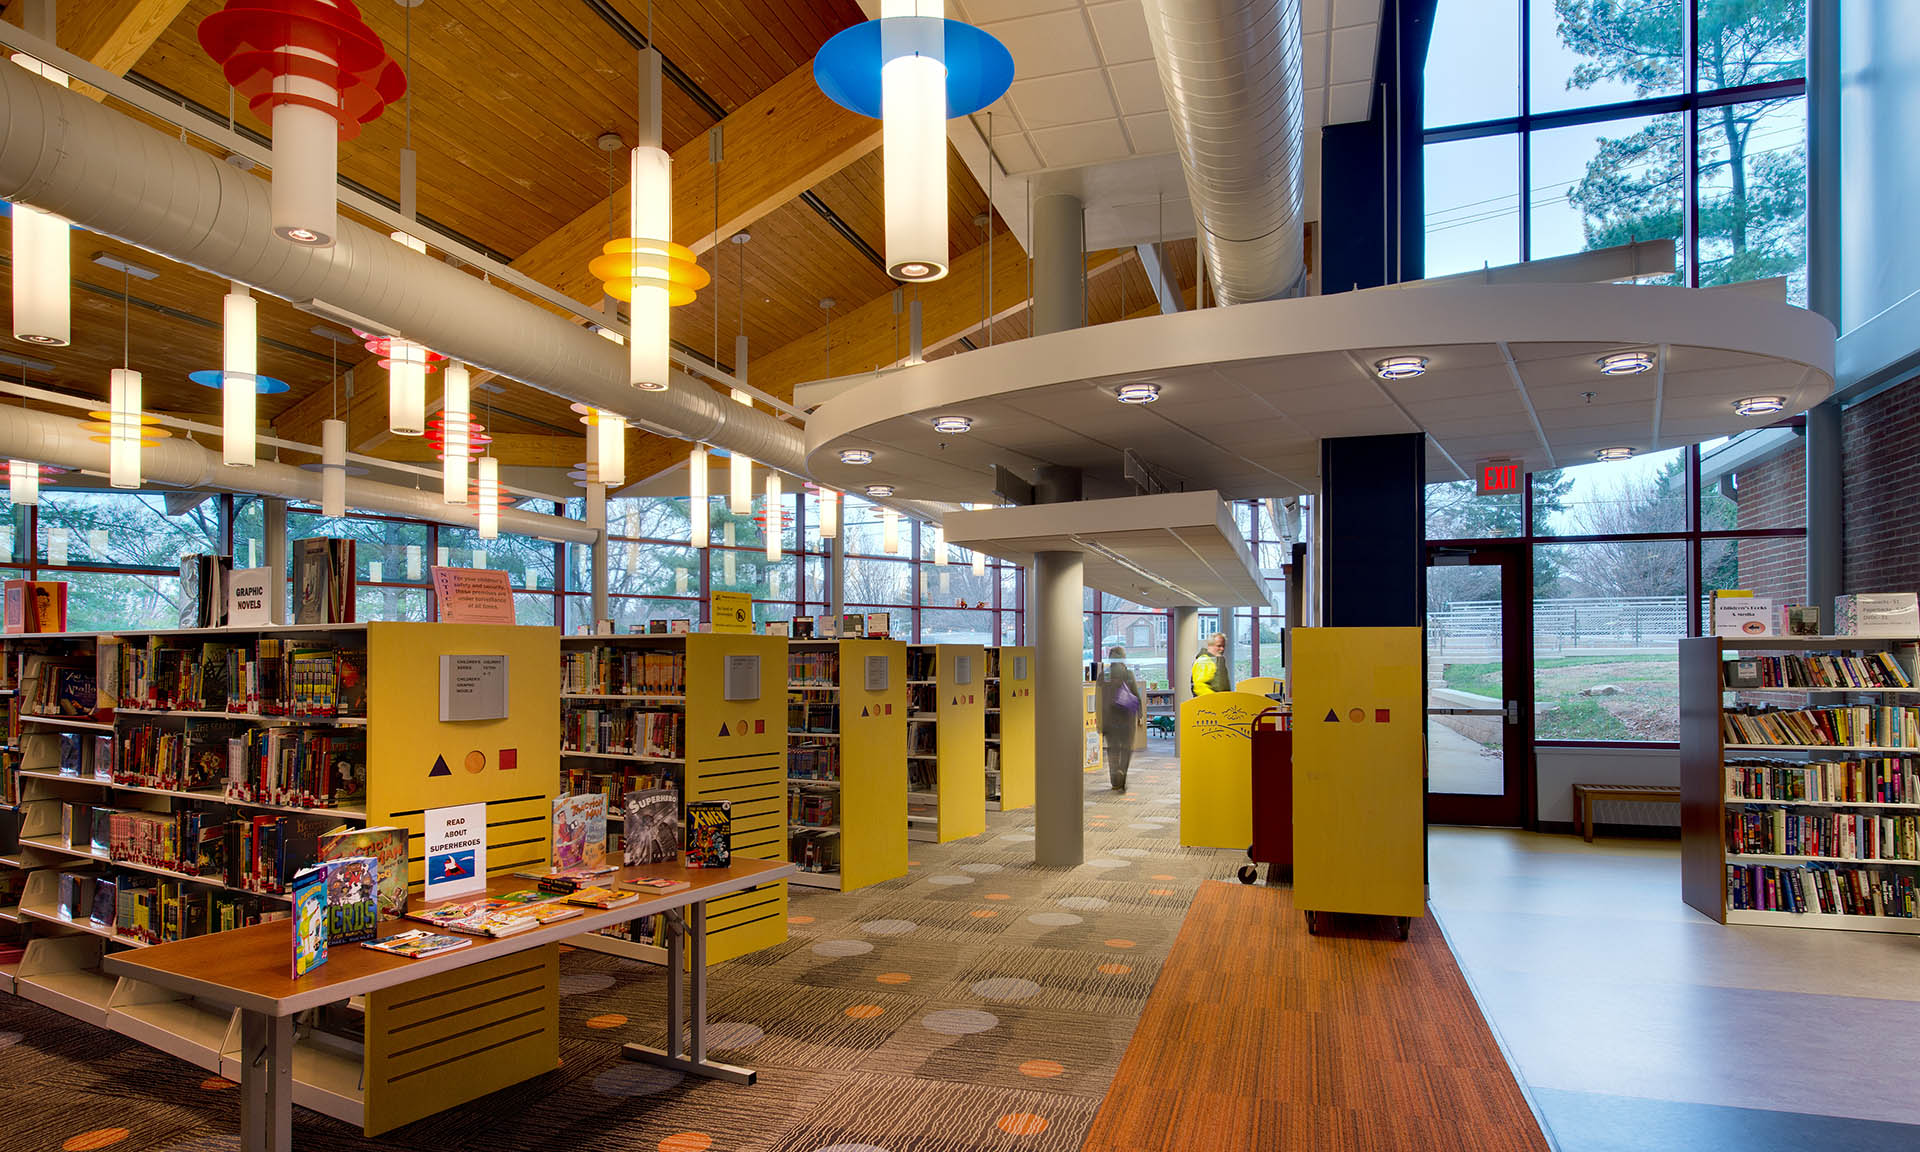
(252, 967)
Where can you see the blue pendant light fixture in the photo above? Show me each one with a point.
(913, 70)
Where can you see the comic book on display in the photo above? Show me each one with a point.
(709, 833)
(352, 907)
(497, 915)
(579, 831)
(650, 831)
(388, 847)
(309, 920)
(417, 944)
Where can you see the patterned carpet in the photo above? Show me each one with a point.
(977, 1003)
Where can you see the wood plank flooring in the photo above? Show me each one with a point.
(1259, 1036)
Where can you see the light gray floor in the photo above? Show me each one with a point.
(1637, 1023)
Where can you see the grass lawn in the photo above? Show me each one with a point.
(1645, 708)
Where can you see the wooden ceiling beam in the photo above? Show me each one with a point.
(520, 449)
(111, 34)
(778, 145)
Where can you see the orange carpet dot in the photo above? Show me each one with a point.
(609, 1020)
(893, 978)
(865, 1011)
(1022, 1124)
(98, 1138)
(913, 863)
(799, 919)
(217, 1084)
(1159, 891)
(1163, 875)
(1116, 969)
(1119, 943)
(998, 896)
(1042, 1069)
(687, 1142)
(985, 913)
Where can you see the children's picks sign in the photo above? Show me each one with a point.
(456, 850)
(247, 598)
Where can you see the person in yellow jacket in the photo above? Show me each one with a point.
(1210, 672)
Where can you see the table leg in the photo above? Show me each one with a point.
(694, 1063)
(266, 1082)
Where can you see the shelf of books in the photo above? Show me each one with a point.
(946, 741)
(172, 783)
(697, 718)
(846, 734)
(1800, 781)
(1010, 731)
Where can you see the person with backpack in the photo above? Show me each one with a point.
(1119, 712)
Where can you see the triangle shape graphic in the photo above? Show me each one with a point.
(1332, 717)
(864, 713)
(440, 767)
(723, 729)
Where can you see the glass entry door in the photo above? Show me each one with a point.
(1479, 689)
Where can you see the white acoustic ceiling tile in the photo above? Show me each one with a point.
(1005, 122)
(1137, 87)
(1068, 98)
(1352, 103)
(1624, 390)
(1081, 144)
(1314, 15)
(1121, 29)
(1588, 352)
(1016, 154)
(1047, 44)
(1313, 60)
(1349, 12)
(1353, 52)
(988, 11)
(1152, 133)
(1360, 422)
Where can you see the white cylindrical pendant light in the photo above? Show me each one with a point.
(698, 528)
(23, 482)
(456, 440)
(731, 537)
(979, 564)
(489, 498)
(42, 259)
(774, 517)
(239, 381)
(650, 202)
(939, 545)
(740, 471)
(306, 159)
(413, 563)
(333, 468)
(890, 530)
(913, 151)
(123, 437)
(679, 581)
(406, 387)
(610, 446)
(597, 506)
(829, 513)
(946, 585)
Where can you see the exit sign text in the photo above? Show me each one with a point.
(1499, 477)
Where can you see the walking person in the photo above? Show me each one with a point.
(1210, 671)
(1119, 712)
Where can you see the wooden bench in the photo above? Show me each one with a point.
(1585, 794)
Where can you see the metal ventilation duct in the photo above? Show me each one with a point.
(1231, 71)
(27, 434)
(106, 172)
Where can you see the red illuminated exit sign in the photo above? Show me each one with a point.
(1499, 477)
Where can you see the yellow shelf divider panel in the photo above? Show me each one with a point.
(1095, 757)
(1261, 685)
(873, 786)
(442, 1041)
(737, 751)
(1359, 772)
(1216, 769)
(960, 699)
(1017, 731)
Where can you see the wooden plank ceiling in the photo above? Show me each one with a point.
(507, 103)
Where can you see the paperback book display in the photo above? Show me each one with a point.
(579, 831)
(1834, 891)
(1851, 836)
(1875, 780)
(622, 671)
(651, 826)
(387, 846)
(497, 916)
(203, 590)
(623, 731)
(275, 676)
(417, 944)
(35, 606)
(323, 576)
(1873, 670)
(709, 833)
(1856, 727)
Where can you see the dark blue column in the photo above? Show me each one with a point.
(1373, 569)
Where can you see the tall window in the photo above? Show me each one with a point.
(1595, 123)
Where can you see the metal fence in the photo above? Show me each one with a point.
(1470, 629)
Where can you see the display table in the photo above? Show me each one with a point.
(250, 969)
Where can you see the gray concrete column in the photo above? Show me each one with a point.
(1183, 644)
(1059, 265)
(1823, 165)
(273, 522)
(1826, 573)
(1059, 789)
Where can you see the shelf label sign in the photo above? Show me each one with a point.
(247, 590)
(473, 687)
(1499, 476)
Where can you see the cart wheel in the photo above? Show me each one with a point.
(1406, 926)
(1313, 924)
(1249, 873)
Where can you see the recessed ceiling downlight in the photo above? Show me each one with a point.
(1626, 363)
(1140, 393)
(1619, 453)
(1400, 367)
(855, 456)
(1759, 405)
(879, 491)
(952, 425)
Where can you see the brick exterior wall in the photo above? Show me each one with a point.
(1880, 446)
(1773, 494)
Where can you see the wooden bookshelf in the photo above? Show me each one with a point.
(1010, 728)
(727, 750)
(1706, 786)
(838, 714)
(946, 743)
(415, 762)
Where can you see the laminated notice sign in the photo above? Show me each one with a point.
(473, 595)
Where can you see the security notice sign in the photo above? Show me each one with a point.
(732, 612)
(473, 595)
